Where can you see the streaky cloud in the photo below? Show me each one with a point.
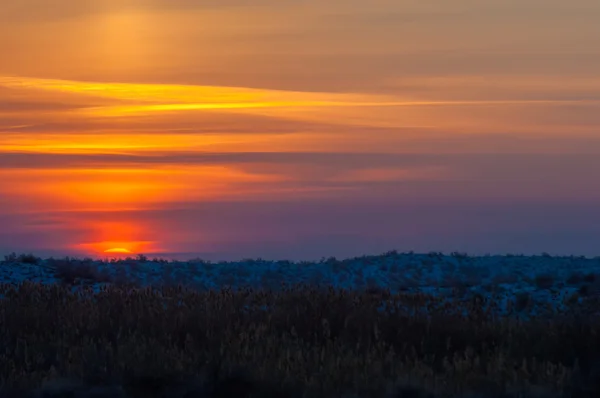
(150, 98)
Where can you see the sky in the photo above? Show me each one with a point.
(299, 129)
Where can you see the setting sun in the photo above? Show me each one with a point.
(118, 247)
(116, 238)
(118, 250)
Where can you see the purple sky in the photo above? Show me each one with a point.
(299, 129)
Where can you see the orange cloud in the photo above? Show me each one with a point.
(127, 188)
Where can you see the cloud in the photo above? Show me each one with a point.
(500, 87)
(88, 182)
(36, 10)
(171, 97)
(172, 105)
(190, 96)
(209, 122)
(28, 106)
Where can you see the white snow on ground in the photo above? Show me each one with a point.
(548, 280)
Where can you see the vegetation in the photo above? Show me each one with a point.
(299, 341)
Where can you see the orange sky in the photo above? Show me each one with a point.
(222, 129)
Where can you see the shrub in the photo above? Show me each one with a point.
(505, 278)
(460, 255)
(70, 272)
(584, 290)
(522, 301)
(575, 278)
(28, 259)
(544, 281)
(10, 258)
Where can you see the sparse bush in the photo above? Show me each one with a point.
(575, 278)
(10, 258)
(505, 278)
(572, 299)
(459, 255)
(522, 301)
(28, 259)
(544, 281)
(584, 290)
(69, 272)
(374, 290)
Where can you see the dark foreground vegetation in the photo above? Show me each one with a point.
(297, 342)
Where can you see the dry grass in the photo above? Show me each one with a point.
(312, 342)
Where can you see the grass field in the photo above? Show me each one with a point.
(448, 325)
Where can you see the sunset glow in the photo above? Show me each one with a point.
(119, 250)
(298, 129)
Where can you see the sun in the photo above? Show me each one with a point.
(118, 250)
